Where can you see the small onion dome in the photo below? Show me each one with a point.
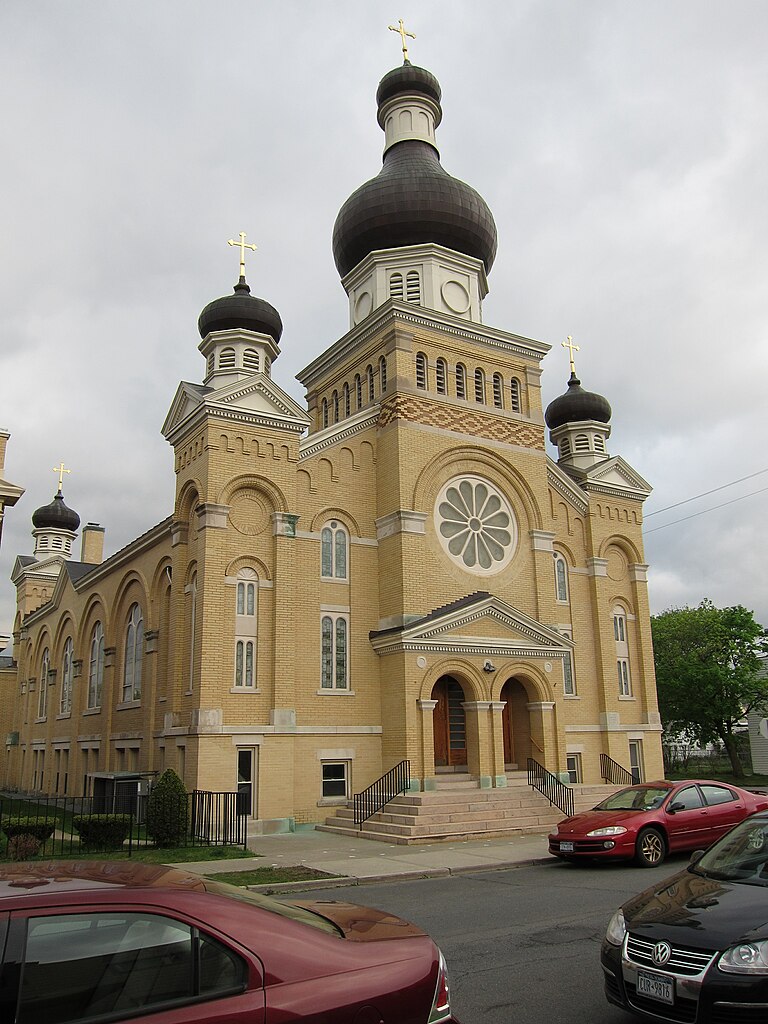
(576, 405)
(55, 516)
(241, 310)
(410, 80)
(413, 200)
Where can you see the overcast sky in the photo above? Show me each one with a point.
(622, 148)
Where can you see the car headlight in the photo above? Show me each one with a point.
(746, 958)
(609, 830)
(616, 929)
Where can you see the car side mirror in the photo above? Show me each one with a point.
(675, 807)
(696, 857)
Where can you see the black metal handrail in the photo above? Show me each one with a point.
(614, 773)
(396, 781)
(558, 794)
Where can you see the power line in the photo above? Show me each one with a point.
(704, 495)
(714, 507)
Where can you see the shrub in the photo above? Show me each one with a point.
(23, 847)
(23, 825)
(102, 831)
(168, 810)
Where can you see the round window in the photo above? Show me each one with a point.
(475, 525)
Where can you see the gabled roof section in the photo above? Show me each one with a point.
(255, 399)
(479, 623)
(614, 476)
(28, 565)
(566, 488)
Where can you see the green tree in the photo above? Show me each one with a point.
(168, 810)
(707, 672)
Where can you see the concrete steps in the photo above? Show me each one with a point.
(459, 808)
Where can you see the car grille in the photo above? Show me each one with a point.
(685, 963)
(683, 1012)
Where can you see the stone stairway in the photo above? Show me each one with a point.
(459, 809)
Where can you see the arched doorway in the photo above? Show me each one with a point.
(449, 723)
(516, 724)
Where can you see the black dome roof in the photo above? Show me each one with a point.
(413, 200)
(240, 310)
(575, 405)
(55, 516)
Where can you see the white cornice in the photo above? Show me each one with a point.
(346, 428)
(566, 488)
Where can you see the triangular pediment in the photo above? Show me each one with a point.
(187, 399)
(616, 473)
(257, 394)
(480, 623)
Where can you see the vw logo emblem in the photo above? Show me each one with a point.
(662, 951)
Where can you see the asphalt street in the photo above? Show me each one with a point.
(522, 944)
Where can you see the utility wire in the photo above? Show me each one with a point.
(714, 507)
(704, 494)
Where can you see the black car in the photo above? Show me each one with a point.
(695, 947)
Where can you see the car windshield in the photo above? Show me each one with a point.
(636, 798)
(740, 856)
(289, 910)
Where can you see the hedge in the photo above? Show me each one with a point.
(23, 825)
(103, 831)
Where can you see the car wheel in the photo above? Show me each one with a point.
(650, 849)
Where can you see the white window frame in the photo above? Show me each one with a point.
(96, 667)
(67, 675)
(334, 675)
(624, 677)
(246, 630)
(334, 551)
(574, 768)
(42, 695)
(561, 578)
(134, 650)
(331, 782)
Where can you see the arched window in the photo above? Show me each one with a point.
(412, 287)
(479, 385)
(246, 620)
(134, 644)
(334, 660)
(581, 443)
(514, 395)
(191, 591)
(599, 443)
(335, 404)
(369, 375)
(461, 380)
(358, 392)
(347, 409)
(498, 391)
(251, 359)
(421, 370)
(383, 374)
(334, 544)
(226, 359)
(42, 696)
(96, 666)
(565, 447)
(67, 670)
(441, 376)
(621, 638)
(561, 578)
(396, 286)
(324, 412)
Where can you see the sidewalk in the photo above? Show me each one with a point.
(364, 860)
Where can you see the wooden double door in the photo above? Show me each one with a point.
(449, 723)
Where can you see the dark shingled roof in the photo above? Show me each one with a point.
(436, 613)
(575, 405)
(240, 310)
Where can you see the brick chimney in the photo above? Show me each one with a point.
(93, 544)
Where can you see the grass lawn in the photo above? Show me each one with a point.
(263, 876)
(718, 773)
(153, 855)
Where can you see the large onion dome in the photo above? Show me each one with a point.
(413, 200)
(55, 516)
(577, 405)
(243, 311)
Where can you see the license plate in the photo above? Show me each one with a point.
(566, 847)
(656, 987)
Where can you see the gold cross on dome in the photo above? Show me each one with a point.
(61, 471)
(243, 245)
(402, 31)
(571, 349)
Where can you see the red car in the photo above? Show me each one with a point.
(114, 941)
(652, 819)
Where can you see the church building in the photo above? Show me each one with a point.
(395, 571)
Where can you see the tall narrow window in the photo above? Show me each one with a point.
(514, 395)
(334, 667)
(636, 760)
(347, 408)
(412, 286)
(334, 543)
(134, 643)
(561, 578)
(461, 380)
(358, 391)
(251, 359)
(441, 376)
(498, 391)
(227, 359)
(621, 638)
(625, 687)
(191, 592)
(479, 385)
(96, 666)
(324, 412)
(421, 370)
(335, 404)
(382, 374)
(369, 375)
(246, 629)
(67, 669)
(42, 696)
(396, 286)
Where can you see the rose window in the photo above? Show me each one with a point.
(475, 525)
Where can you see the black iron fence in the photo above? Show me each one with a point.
(558, 794)
(614, 772)
(396, 781)
(87, 825)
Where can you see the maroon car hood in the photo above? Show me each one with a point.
(361, 924)
(580, 824)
